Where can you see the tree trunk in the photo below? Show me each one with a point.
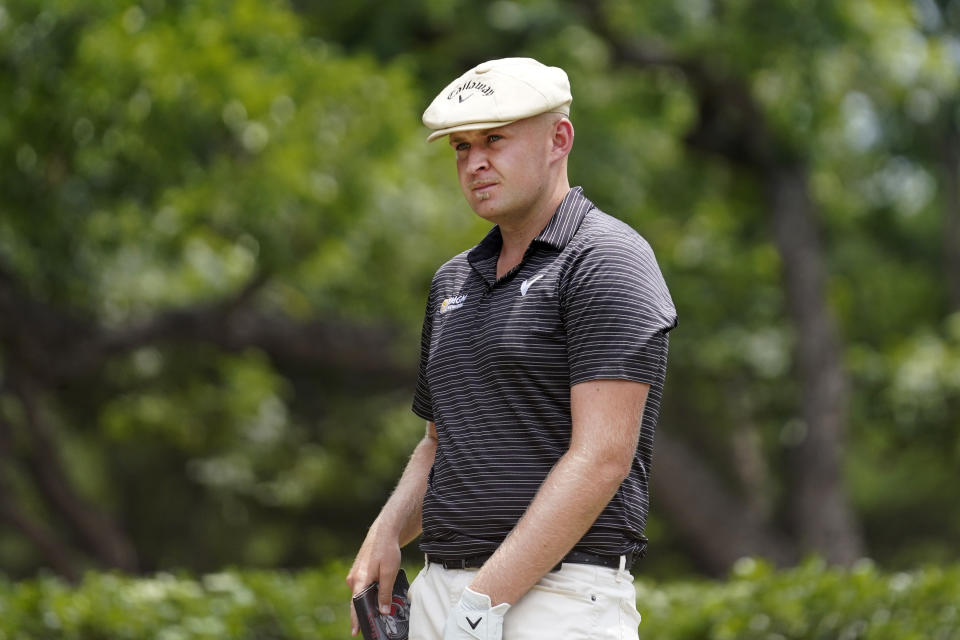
(731, 124)
(821, 511)
(753, 471)
(56, 554)
(44, 347)
(719, 527)
(99, 534)
(52, 550)
(950, 157)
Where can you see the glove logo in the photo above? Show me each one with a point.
(473, 625)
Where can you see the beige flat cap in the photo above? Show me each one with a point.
(496, 93)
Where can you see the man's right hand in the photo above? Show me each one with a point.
(398, 523)
(377, 561)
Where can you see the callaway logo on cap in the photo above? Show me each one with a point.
(496, 93)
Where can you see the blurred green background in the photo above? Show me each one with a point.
(219, 221)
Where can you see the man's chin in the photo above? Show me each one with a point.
(481, 202)
(486, 209)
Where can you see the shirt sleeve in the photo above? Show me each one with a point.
(422, 400)
(617, 312)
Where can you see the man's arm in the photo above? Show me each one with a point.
(398, 523)
(606, 427)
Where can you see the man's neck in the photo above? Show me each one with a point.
(518, 234)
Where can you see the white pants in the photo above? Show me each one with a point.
(578, 602)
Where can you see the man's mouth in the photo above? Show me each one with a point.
(482, 188)
(481, 185)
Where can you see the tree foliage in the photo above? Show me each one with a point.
(205, 251)
(219, 221)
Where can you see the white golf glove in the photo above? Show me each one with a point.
(474, 619)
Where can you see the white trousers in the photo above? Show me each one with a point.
(577, 602)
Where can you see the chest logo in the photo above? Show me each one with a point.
(452, 304)
(526, 284)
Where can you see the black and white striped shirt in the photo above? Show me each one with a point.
(498, 358)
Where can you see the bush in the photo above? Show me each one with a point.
(252, 605)
(809, 602)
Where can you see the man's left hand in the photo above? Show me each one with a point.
(473, 618)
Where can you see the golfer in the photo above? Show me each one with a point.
(542, 363)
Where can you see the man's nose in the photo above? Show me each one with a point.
(477, 160)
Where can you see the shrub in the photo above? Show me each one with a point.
(248, 605)
(809, 602)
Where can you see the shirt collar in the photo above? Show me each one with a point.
(558, 232)
(565, 222)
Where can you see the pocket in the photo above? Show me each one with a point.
(551, 612)
(412, 589)
(538, 313)
(589, 599)
(614, 618)
(632, 617)
(544, 323)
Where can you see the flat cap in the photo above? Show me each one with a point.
(496, 93)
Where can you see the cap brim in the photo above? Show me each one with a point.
(470, 126)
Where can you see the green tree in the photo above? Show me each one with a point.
(761, 147)
(209, 239)
(219, 220)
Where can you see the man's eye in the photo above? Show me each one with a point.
(462, 146)
(493, 138)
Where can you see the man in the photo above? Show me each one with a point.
(541, 371)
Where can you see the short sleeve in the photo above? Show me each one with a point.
(422, 400)
(617, 312)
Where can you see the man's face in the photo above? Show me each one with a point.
(503, 171)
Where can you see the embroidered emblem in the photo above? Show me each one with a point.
(526, 284)
(452, 304)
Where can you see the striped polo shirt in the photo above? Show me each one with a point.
(498, 358)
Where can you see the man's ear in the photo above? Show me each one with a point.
(561, 141)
